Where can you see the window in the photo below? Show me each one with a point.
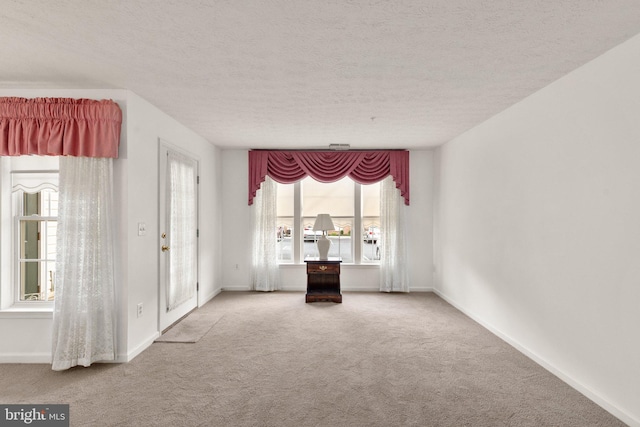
(35, 244)
(336, 199)
(29, 211)
(354, 209)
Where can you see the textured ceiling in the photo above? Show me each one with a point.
(309, 73)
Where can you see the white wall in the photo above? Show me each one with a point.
(147, 125)
(236, 220)
(136, 200)
(538, 227)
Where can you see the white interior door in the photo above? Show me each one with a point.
(178, 245)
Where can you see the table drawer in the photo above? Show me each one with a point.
(321, 268)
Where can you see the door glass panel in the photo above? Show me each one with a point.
(182, 223)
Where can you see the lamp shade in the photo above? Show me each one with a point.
(323, 223)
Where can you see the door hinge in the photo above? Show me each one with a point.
(197, 286)
(198, 233)
(198, 179)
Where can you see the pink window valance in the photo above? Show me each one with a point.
(364, 167)
(59, 127)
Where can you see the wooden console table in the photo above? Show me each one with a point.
(323, 280)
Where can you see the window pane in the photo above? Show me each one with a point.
(37, 280)
(371, 223)
(49, 203)
(30, 204)
(29, 239)
(49, 231)
(284, 234)
(336, 199)
(36, 245)
(49, 280)
(371, 200)
(29, 280)
(341, 239)
(37, 239)
(37, 260)
(285, 199)
(285, 226)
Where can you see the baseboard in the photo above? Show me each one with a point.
(293, 289)
(236, 288)
(571, 381)
(303, 289)
(139, 349)
(420, 289)
(209, 297)
(46, 357)
(26, 358)
(377, 289)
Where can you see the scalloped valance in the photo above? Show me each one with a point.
(59, 127)
(364, 167)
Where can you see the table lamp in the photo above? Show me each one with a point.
(323, 223)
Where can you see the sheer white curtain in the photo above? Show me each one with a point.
(83, 320)
(264, 272)
(182, 221)
(393, 252)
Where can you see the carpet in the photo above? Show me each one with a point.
(376, 360)
(191, 328)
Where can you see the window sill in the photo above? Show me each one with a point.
(27, 313)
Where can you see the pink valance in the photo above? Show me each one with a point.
(364, 167)
(59, 127)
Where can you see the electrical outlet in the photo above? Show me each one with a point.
(140, 310)
(142, 229)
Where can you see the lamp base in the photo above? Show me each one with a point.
(323, 247)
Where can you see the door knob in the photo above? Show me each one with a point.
(165, 248)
